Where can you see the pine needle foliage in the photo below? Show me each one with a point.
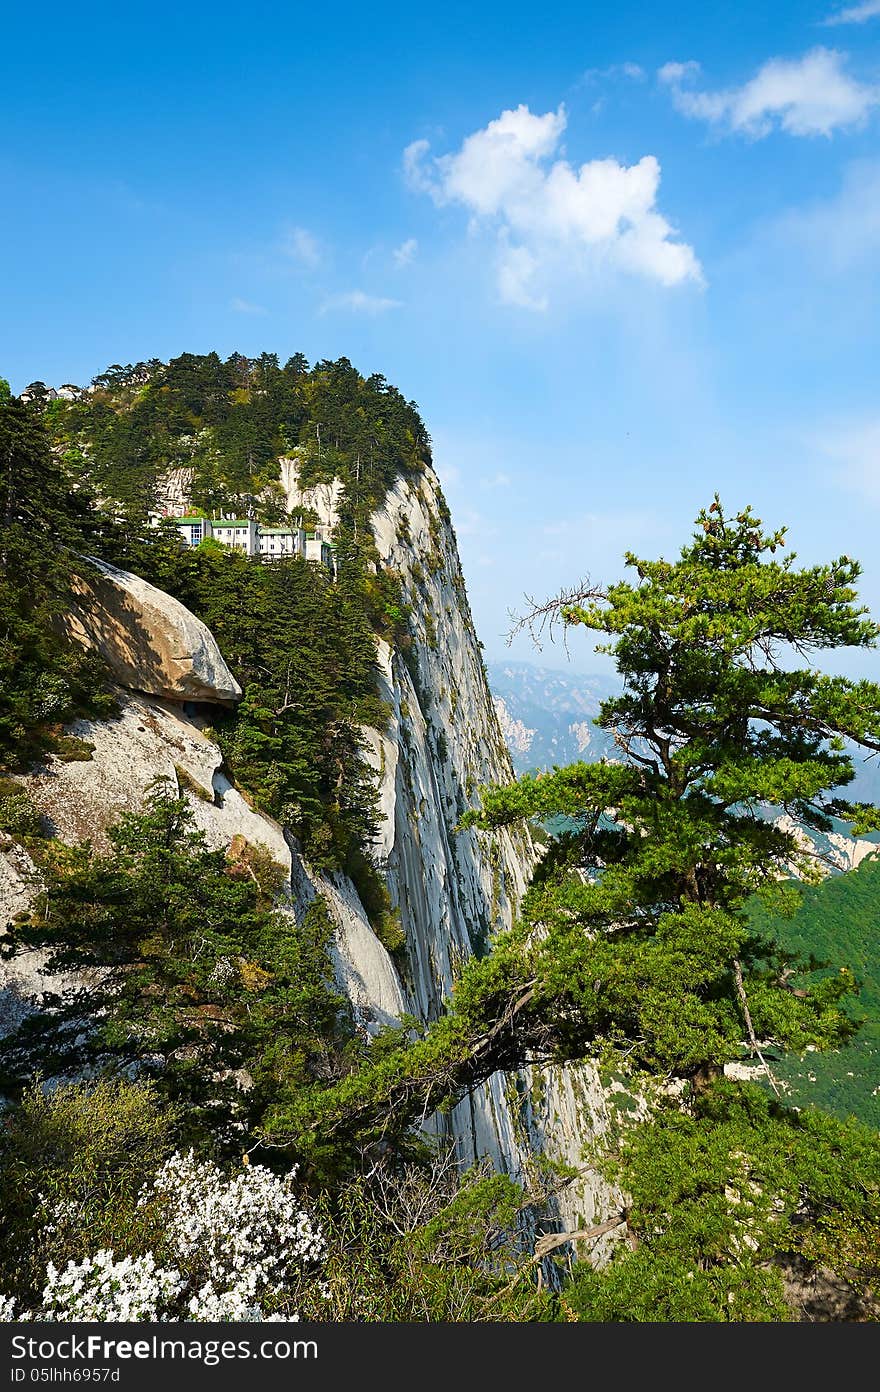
(171, 960)
(634, 942)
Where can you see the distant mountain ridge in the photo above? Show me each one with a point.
(546, 717)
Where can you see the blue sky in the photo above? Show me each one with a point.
(621, 256)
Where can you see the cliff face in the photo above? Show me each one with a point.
(153, 739)
(454, 890)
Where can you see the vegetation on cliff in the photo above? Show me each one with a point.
(634, 938)
(638, 945)
(184, 970)
(836, 921)
(302, 648)
(45, 522)
(635, 946)
(230, 422)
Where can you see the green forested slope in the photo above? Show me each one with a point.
(838, 921)
(230, 421)
(650, 964)
(302, 646)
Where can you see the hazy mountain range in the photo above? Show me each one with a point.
(546, 716)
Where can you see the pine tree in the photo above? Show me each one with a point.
(634, 944)
(45, 524)
(192, 975)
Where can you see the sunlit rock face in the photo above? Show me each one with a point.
(455, 890)
(150, 641)
(150, 740)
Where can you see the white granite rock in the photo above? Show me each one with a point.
(150, 641)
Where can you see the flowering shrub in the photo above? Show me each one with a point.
(239, 1238)
(230, 1246)
(210, 1306)
(101, 1288)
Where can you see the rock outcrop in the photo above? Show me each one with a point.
(835, 850)
(518, 736)
(454, 890)
(150, 641)
(457, 890)
(21, 982)
(321, 498)
(153, 739)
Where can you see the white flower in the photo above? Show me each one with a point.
(242, 1238)
(103, 1289)
(234, 1242)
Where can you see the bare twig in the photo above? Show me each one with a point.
(550, 1241)
(540, 619)
(753, 1041)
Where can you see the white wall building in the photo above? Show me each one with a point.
(268, 543)
(276, 542)
(239, 532)
(319, 548)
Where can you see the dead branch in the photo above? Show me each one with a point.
(540, 619)
(550, 1241)
(753, 1041)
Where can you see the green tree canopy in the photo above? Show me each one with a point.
(633, 939)
(229, 422)
(192, 974)
(733, 1205)
(46, 521)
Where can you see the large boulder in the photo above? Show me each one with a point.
(150, 641)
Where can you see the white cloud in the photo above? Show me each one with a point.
(412, 166)
(675, 72)
(812, 95)
(302, 246)
(548, 213)
(634, 71)
(495, 167)
(516, 271)
(855, 14)
(246, 307)
(405, 253)
(357, 302)
(498, 480)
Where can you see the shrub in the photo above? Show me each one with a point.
(72, 1162)
(18, 816)
(189, 1242)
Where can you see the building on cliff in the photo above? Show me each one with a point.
(267, 543)
(38, 391)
